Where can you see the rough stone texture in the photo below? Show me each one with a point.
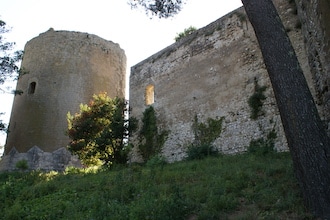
(66, 68)
(211, 74)
(315, 19)
(38, 159)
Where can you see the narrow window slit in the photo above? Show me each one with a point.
(32, 88)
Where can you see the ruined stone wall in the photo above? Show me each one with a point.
(64, 69)
(315, 20)
(211, 74)
(37, 159)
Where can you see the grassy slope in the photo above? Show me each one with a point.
(244, 186)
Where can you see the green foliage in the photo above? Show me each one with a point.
(200, 151)
(156, 161)
(8, 61)
(160, 8)
(228, 187)
(256, 100)
(3, 127)
(168, 203)
(151, 142)
(99, 130)
(186, 32)
(263, 146)
(204, 134)
(9, 67)
(22, 165)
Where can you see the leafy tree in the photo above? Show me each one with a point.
(160, 8)
(8, 62)
(307, 139)
(186, 32)
(99, 130)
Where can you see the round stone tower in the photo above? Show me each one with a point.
(63, 69)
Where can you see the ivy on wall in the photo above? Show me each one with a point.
(256, 100)
(263, 146)
(151, 142)
(205, 134)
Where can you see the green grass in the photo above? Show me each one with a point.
(243, 186)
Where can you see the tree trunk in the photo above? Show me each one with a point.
(307, 139)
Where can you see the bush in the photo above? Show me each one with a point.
(98, 131)
(205, 134)
(22, 165)
(186, 32)
(156, 161)
(201, 151)
(262, 146)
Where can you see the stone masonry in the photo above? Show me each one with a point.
(211, 74)
(315, 22)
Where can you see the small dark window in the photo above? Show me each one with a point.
(32, 88)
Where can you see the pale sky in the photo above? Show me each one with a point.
(112, 20)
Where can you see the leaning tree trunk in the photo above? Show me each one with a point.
(306, 136)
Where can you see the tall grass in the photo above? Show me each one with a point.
(246, 186)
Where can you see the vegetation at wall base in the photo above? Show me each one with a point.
(263, 146)
(245, 186)
(22, 165)
(204, 135)
(151, 139)
(201, 151)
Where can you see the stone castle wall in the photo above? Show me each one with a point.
(211, 74)
(315, 20)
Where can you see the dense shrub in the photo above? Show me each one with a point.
(263, 146)
(200, 151)
(186, 32)
(99, 130)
